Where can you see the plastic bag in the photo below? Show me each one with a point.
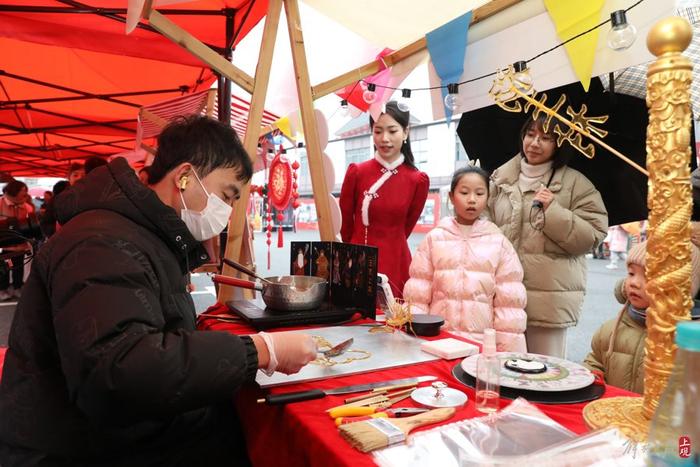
(517, 434)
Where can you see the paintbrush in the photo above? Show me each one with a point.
(379, 432)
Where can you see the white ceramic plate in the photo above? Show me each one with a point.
(561, 375)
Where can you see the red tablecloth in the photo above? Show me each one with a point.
(302, 434)
(2, 359)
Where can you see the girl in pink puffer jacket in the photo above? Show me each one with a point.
(467, 271)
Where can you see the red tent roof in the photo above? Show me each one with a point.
(71, 84)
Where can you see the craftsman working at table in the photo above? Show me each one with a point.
(104, 365)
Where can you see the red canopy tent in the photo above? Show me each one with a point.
(72, 82)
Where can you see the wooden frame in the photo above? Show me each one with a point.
(237, 226)
(306, 93)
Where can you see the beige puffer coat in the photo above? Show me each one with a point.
(553, 259)
(617, 349)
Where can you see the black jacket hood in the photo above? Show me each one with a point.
(115, 187)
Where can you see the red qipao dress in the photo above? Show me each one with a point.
(381, 204)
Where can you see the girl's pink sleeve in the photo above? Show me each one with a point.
(419, 287)
(509, 302)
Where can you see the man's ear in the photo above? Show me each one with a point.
(181, 175)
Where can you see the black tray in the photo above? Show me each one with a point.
(589, 393)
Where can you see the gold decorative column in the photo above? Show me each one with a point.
(668, 248)
(670, 201)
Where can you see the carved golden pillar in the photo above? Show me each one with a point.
(670, 201)
(668, 263)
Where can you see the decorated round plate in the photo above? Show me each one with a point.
(560, 375)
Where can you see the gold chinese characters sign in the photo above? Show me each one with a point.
(509, 86)
(668, 249)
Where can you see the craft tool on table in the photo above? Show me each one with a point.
(384, 413)
(286, 398)
(439, 395)
(377, 402)
(338, 349)
(380, 432)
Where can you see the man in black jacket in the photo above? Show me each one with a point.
(104, 365)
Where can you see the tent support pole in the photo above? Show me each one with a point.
(308, 118)
(327, 87)
(193, 45)
(238, 224)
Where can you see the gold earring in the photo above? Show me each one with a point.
(183, 183)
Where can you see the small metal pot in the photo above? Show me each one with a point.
(284, 293)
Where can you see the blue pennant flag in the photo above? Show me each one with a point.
(447, 46)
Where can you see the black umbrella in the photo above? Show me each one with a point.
(491, 135)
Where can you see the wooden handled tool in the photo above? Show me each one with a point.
(379, 432)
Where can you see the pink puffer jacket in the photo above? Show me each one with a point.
(474, 282)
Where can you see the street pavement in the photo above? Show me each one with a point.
(599, 306)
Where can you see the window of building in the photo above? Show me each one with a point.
(357, 150)
(419, 145)
(460, 153)
(304, 180)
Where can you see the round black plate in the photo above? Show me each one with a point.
(589, 393)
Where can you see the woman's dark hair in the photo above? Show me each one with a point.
(561, 155)
(14, 187)
(402, 118)
(205, 143)
(469, 169)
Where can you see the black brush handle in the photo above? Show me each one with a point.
(288, 398)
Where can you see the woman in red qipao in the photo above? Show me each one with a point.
(382, 198)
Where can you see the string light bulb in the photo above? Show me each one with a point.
(622, 34)
(369, 95)
(344, 108)
(403, 102)
(522, 80)
(452, 96)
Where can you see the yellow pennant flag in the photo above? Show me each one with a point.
(283, 125)
(572, 17)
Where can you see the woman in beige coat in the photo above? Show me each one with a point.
(553, 215)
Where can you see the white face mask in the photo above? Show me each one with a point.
(211, 221)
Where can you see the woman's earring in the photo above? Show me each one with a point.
(404, 141)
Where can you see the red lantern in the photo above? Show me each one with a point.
(280, 190)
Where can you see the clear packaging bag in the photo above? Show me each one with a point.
(520, 433)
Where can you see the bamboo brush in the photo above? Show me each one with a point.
(379, 432)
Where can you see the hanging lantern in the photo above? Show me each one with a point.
(280, 190)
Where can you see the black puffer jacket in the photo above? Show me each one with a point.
(104, 365)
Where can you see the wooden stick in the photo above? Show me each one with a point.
(148, 115)
(193, 45)
(364, 396)
(308, 118)
(148, 149)
(332, 85)
(211, 98)
(396, 386)
(239, 220)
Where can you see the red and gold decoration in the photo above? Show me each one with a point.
(281, 190)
